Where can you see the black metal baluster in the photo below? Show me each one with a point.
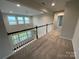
(36, 32)
(46, 28)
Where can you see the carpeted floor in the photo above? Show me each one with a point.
(51, 46)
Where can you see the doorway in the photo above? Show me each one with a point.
(58, 21)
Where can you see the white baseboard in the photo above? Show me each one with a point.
(65, 38)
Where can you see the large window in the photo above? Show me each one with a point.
(12, 20)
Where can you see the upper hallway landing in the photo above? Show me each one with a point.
(50, 46)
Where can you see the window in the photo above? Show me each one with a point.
(12, 20)
(27, 20)
(20, 20)
(60, 18)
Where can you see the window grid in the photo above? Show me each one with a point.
(18, 20)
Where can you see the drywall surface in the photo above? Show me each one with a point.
(5, 47)
(42, 20)
(76, 41)
(71, 25)
(70, 20)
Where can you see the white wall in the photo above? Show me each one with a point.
(76, 41)
(18, 27)
(71, 25)
(5, 47)
(42, 20)
(70, 19)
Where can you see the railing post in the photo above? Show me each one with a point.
(46, 28)
(36, 32)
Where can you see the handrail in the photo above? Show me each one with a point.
(21, 31)
(46, 25)
(29, 29)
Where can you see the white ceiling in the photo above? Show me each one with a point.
(59, 4)
(36, 6)
(6, 7)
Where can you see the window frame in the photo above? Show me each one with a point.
(60, 20)
(17, 21)
(20, 20)
(13, 21)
